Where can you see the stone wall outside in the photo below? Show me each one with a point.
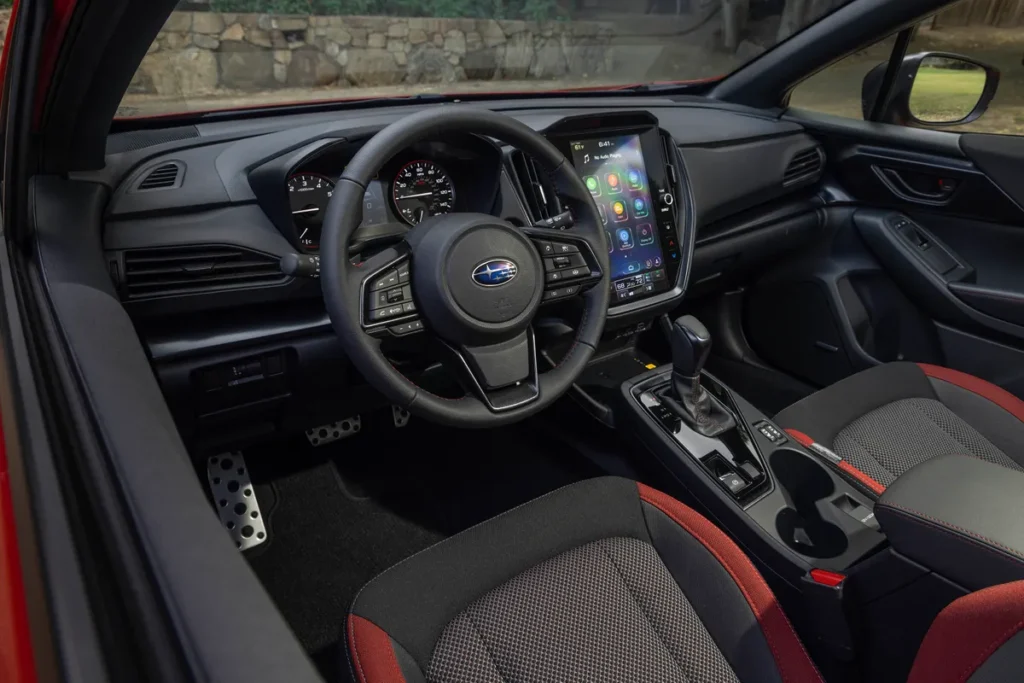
(199, 53)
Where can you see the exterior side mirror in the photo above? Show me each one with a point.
(932, 89)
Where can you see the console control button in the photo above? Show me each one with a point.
(770, 432)
(667, 199)
(733, 482)
(751, 472)
(384, 280)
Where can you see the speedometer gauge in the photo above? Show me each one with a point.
(422, 189)
(308, 194)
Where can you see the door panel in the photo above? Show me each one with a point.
(921, 260)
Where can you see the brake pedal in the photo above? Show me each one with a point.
(400, 416)
(329, 433)
(235, 499)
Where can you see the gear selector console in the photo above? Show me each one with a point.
(739, 465)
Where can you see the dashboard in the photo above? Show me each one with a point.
(197, 261)
(196, 257)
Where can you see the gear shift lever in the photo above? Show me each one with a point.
(691, 344)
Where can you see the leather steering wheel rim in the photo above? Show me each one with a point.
(343, 282)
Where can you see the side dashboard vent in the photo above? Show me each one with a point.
(197, 269)
(806, 165)
(163, 177)
(535, 186)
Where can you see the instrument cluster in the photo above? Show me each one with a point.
(426, 180)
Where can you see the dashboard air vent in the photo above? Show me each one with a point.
(163, 177)
(805, 165)
(536, 187)
(196, 269)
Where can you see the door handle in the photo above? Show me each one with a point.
(898, 185)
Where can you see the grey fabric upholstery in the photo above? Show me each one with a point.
(890, 440)
(1005, 664)
(605, 611)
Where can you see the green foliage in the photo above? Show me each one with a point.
(480, 9)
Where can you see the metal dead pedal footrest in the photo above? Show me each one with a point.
(400, 416)
(329, 433)
(235, 499)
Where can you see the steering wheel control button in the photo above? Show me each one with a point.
(406, 328)
(394, 296)
(408, 307)
(386, 312)
(555, 276)
(403, 273)
(545, 248)
(561, 248)
(561, 292)
(385, 280)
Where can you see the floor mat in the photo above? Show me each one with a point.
(770, 391)
(341, 514)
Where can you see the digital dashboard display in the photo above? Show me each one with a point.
(613, 170)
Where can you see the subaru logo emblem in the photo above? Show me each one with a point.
(495, 272)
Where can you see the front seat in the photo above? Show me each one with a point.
(605, 581)
(883, 421)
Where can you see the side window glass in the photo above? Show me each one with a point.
(963, 72)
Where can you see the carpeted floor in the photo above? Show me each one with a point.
(341, 514)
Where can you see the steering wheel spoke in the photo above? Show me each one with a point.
(503, 375)
(386, 296)
(571, 265)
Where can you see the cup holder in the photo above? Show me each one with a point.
(800, 524)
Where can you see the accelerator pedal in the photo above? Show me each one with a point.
(235, 499)
(329, 433)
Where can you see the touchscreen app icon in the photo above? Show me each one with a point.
(614, 184)
(640, 209)
(592, 185)
(635, 179)
(624, 236)
(646, 234)
(619, 211)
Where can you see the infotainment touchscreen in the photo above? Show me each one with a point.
(613, 170)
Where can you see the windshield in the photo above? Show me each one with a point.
(227, 54)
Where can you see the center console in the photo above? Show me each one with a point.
(745, 469)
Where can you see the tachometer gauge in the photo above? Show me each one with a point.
(422, 189)
(308, 194)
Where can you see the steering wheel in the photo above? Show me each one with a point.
(477, 281)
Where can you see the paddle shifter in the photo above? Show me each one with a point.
(691, 344)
